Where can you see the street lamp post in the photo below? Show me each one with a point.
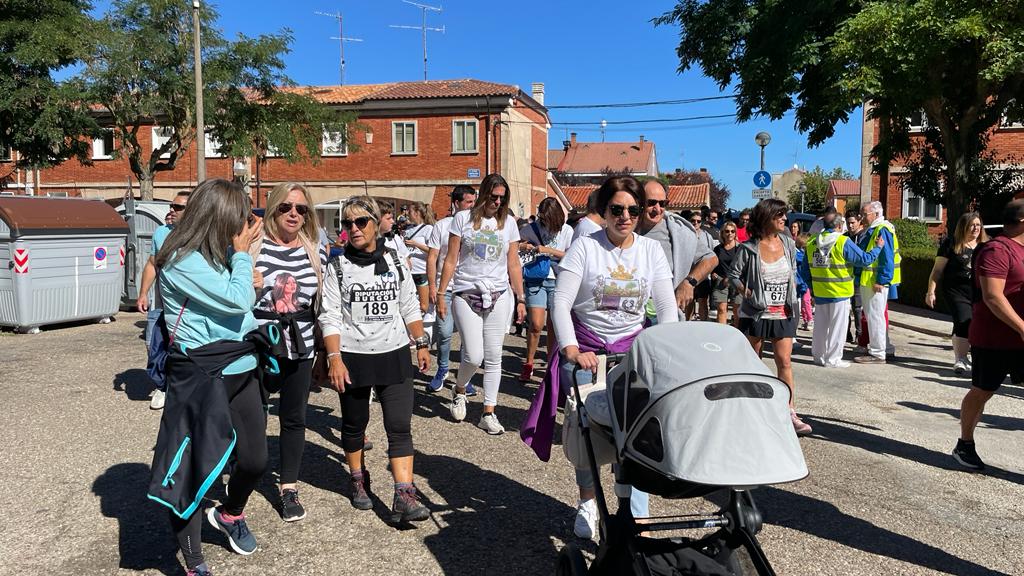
(200, 128)
(763, 139)
(803, 189)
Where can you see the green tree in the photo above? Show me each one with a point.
(38, 112)
(961, 62)
(815, 188)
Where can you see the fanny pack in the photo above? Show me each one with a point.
(476, 301)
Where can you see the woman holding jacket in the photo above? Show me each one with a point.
(764, 271)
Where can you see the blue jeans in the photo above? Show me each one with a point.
(443, 328)
(638, 500)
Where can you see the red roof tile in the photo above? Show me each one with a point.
(554, 157)
(679, 197)
(352, 94)
(598, 157)
(843, 188)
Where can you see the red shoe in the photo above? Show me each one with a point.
(527, 374)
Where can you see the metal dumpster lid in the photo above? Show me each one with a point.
(30, 216)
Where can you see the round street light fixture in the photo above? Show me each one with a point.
(763, 139)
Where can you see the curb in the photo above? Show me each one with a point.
(909, 326)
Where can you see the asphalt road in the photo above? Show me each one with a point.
(883, 496)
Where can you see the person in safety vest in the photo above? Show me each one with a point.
(878, 283)
(828, 270)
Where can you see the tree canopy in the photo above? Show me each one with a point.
(960, 61)
(815, 188)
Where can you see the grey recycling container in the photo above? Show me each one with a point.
(61, 260)
(143, 218)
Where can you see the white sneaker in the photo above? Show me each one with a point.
(489, 423)
(458, 406)
(839, 364)
(157, 400)
(585, 525)
(959, 367)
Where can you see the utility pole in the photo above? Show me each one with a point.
(200, 127)
(423, 28)
(341, 38)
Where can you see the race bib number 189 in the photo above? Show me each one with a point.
(374, 305)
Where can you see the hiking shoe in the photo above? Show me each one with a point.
(156, 402)
(585, 525)
(959, 367)
(470, 389)
(869, 359)
(799, 426)
(527, 374)
(406, 506)
(437, 382)
(458, 406)
(367, 445)
(291, 509)
(489, 423)
(967, 456)
(239, 537)
(198, 572)
(361, 492)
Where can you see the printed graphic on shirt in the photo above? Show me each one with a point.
(620, 291)
(486, 245)
(377, 302)
(285, 293)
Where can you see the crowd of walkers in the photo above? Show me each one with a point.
(255, 305)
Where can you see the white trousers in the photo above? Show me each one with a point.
(482, 339)
(830, 323)
(874, 304)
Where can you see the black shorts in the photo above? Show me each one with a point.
(702, 290)
(768, 329)
(989, 367)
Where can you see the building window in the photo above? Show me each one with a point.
(403, 137)
(1005, 121)
(212, 146)
(464, 136)
(918, 121)
(162, 135)
(334, 144)
(917, 208)
(103, 146)
(5, 153)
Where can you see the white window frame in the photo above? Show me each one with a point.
(415, 138)
(922, 126)
(922, 205)
(158, 139)
(1005, 123)
(465, 122)
(334, 144)
(211, 145)
(99, 148)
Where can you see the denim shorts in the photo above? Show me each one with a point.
(540, 293)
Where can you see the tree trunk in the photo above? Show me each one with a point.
(145, 187)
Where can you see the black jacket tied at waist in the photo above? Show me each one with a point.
(288, 323)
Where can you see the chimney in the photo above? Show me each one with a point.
(538, 92)
(572, 138)
(641, 138)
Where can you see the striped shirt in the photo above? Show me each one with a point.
(289, 285)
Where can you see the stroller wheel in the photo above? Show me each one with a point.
(571, 562)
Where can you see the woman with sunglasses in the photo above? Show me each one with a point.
(290, 255)
(483, 262)
(764, 271)
(604, 282)
(725, 296)
(370, 309)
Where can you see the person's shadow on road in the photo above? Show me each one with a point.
(145, 541)
(135, 383)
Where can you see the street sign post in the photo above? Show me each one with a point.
(761, 193)
(762, 179)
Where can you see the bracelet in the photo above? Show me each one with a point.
(422, 342)
(333, 354)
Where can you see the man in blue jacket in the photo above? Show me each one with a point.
(879, 283)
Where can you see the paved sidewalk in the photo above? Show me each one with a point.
(920, 320)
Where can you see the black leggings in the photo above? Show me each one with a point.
(293, 382)
(250, 423)
(396, 403)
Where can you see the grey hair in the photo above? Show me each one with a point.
(875, 207)
(362, 204)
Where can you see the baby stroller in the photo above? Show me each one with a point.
(689, 411)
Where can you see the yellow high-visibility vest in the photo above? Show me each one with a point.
(867, 277)
(831, 275)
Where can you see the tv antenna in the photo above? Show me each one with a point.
(341, 38)
(423, 28)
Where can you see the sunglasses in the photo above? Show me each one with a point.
(695, 221)
(728, 231)
(653, 203)
(286, 207)
(497, 199)
(360, 222)
(177, 207)
(618, 209)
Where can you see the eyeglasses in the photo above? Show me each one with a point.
(360, 222)
(286, 207)
(496, 199)
(618, 209)
(177, 207)
(653, 203)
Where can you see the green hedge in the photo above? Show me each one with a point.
(915, 268)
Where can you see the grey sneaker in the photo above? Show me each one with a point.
(489, 423)
(361, 492)
(156, 402)
(458, 406)
(237, 531)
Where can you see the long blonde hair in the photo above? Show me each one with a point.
(963, 226)
(309, 234)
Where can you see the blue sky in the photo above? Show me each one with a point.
(586, 52)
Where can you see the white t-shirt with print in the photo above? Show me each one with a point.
(419, 233)
(439, 241)
(559, 241)
(616, 283)
(484, 252)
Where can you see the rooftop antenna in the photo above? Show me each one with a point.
(341, 42)
(423, 28)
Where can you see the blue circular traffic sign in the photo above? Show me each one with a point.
(762, 179)
(100, 254)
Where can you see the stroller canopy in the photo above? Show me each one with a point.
(693, 402)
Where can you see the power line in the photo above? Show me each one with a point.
(639, 104)
(647, 121)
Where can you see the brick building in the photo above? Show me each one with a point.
(680, 197)
(416, 141)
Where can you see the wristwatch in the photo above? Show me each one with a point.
(422, 342)
(691, 280)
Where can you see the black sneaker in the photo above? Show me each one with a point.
(361, 492)
(407, 507)
(291, 509)
(965, 454)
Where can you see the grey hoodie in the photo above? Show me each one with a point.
(746, 271)
(686, 250)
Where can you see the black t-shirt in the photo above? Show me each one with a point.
(956, 276)
(725, 258)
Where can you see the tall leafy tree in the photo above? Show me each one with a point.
(961, 61)
(40, 116)
(811, 198)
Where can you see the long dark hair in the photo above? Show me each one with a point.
(551, 216)
(216, 212)
(615, 184)
(761, 218)
(489, 183)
